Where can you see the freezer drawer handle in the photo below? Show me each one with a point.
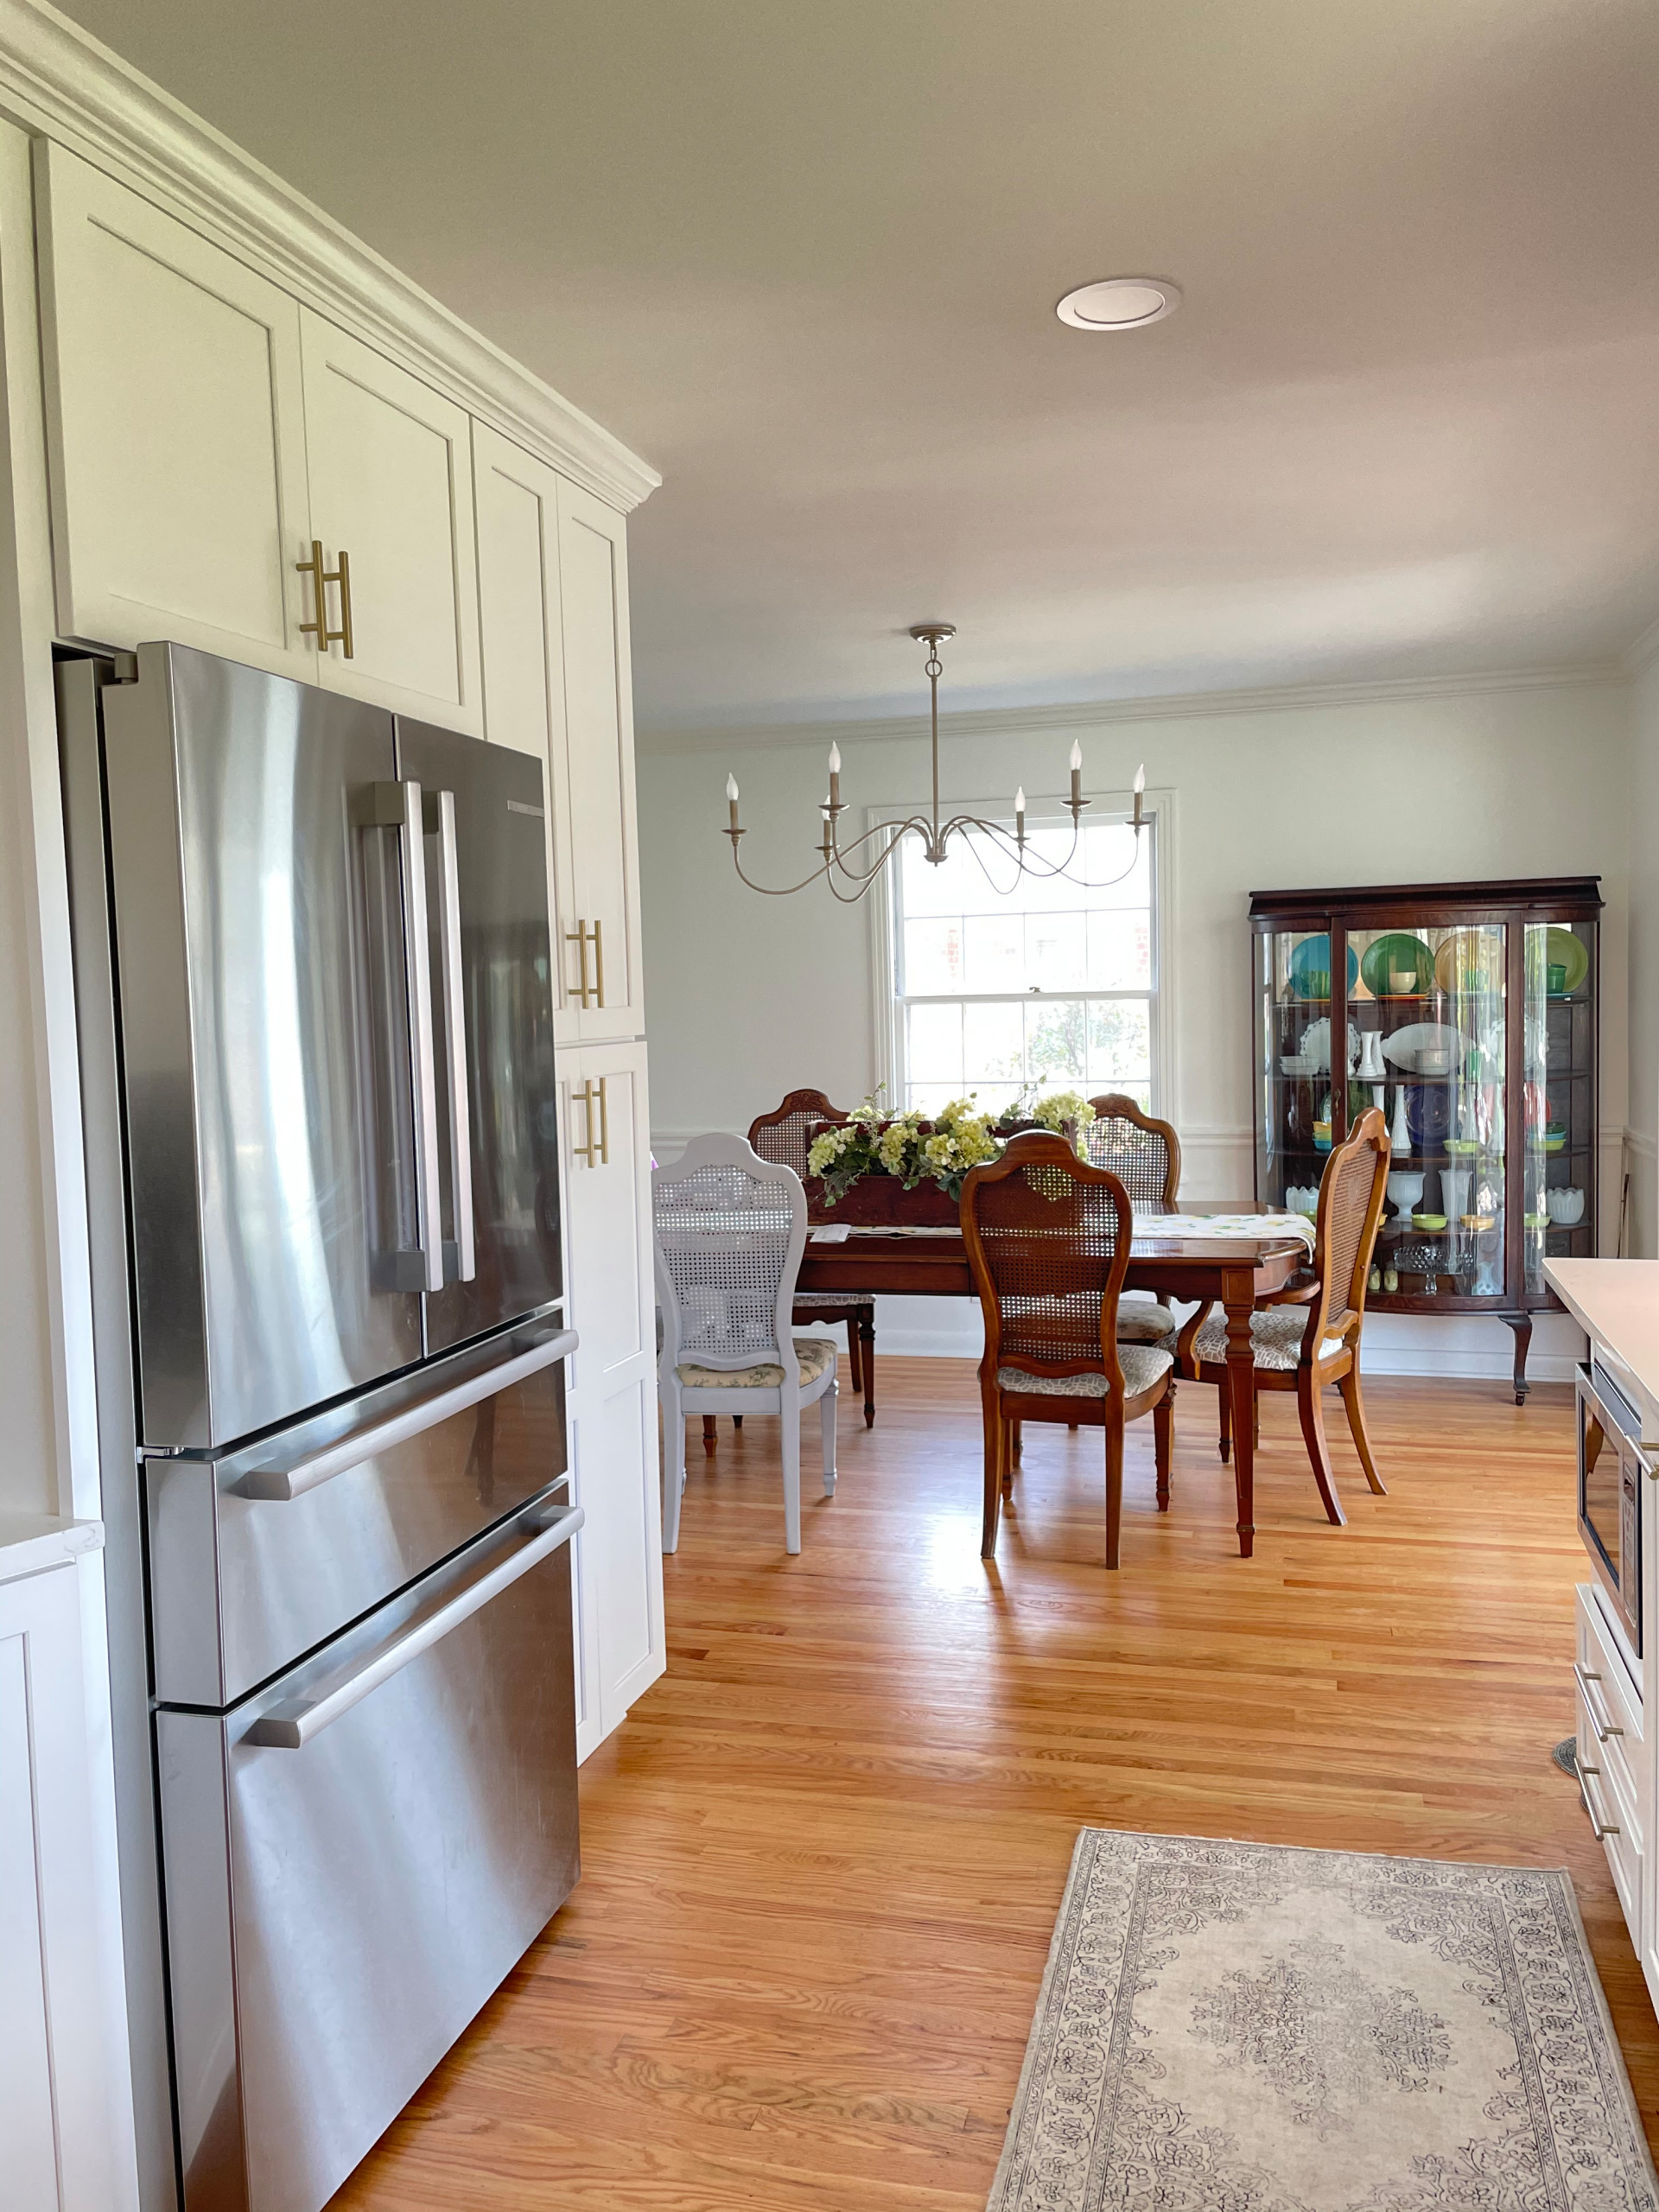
(290, 1727)
(440, 820)
(282, 1484)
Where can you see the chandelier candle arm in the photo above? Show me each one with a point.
(1140, 793)
(735, 829)
(1020, 816)
(1076, 801)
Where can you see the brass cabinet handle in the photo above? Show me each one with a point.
(582, 937)
(597, 1150)
(1603, 1728)
(320, 579)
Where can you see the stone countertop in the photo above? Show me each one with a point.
(1616, 1303)
(31, 1542)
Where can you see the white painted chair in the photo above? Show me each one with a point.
(730, 1229)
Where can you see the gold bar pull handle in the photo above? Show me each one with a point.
(604, 1123)
(584, 1098)
(587, 994)
(599, 973)
(321, 578)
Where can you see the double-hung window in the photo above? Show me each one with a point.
(1003, 983)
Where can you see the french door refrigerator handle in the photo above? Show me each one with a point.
(440, 820)
(292, 1725)
(398, 806)
(281, 1484)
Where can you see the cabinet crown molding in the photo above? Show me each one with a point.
(59, 83)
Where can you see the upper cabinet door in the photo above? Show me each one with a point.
(521, 632)
(601, 939)
(391, 490)
(174, 427)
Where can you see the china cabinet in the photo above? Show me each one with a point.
(1468, 1013)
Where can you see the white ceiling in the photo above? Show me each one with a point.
(803, 257)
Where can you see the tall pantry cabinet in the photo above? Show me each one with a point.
(553, 594)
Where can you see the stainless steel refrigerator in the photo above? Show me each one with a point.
(314, 994)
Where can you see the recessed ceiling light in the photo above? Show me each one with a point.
(1120, 303)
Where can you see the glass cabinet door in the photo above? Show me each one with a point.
(1427, 1044)
(1296, 1107)
(1558, 1094)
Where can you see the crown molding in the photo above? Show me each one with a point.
(1188, 706)
(59, 83)
(1642, 650)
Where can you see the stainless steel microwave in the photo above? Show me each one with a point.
(1613, 1470)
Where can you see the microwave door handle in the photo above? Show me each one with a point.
(282, 1484)
(440, 818)
(290, 1726)
(417, 978)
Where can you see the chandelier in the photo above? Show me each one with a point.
(851, 869)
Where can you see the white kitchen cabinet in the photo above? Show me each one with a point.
(612, 1400)
(176, 430)
(390, 479)
(65, 2146)
(599, 915)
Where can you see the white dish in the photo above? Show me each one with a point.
(1316, 1046)
(1422, 1047)
(1565, 1207)
(1292, 1064)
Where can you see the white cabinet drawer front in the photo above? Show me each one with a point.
(603, 891)
(175, 429)
(616, 1441)
(605, 1192)
(1604, 1683)
(390, 483)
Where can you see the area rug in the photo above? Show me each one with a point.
(1240, 2027)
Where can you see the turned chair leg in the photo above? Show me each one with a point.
(866, 1362)
(1114, 1481)
(1163, 1424)
(1309, 1406)
(995, 1434)
(1354, 1406)
(710, 1434)
(1225, 1403)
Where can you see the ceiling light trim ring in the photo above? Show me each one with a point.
(1072, 309)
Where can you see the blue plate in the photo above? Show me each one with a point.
(1313, 957)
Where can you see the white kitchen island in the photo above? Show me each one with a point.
(1616, 1302)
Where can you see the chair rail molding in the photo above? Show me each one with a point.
(59, 82)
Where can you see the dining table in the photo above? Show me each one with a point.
(1236, 1271)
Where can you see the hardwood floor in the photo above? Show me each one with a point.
(824, 1855)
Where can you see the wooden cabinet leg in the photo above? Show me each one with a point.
(1521, 1325)
(866, 1327)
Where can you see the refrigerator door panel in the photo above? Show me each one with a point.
(258, 1556)
(339, 1911)
(493, 1025)
(264, 1025)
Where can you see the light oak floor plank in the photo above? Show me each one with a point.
(822, 1859)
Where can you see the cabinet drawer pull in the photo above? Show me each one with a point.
(597, 1150)
(1602, 1828)
(320, 579)
(582, 937)
(1602, 1721)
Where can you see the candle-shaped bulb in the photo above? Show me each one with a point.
(1020, 800)
(1076, 779)
(835, 777)
(734, 826)
(1076, 756)
(834, 759)
(731, 789)
(1140, 777)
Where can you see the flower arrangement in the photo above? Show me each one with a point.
(914, 1149)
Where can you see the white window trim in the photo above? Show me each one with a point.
(1157, 806)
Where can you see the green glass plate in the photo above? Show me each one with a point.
(1399, 948)
(1563, 949)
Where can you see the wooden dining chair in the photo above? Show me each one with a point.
(1145, 1155)
(1307, 1338)
(1047, 1237)
(786, 1135)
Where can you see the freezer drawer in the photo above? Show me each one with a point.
(258, 1556)
(355, 1858)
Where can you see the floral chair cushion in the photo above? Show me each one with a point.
(1275, 1335)
(1141, 1321)
(813, 1355)
(1142, 1364)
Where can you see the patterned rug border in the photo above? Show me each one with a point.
(1062, 1945)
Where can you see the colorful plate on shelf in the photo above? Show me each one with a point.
(1472, 962)
(1311, 959)
(1398, 950)
(1563, 949)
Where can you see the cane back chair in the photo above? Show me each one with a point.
(1307, 1338)
(1047, 1238)
(1145, 1155)
(786, 1135)
(730, 1229)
